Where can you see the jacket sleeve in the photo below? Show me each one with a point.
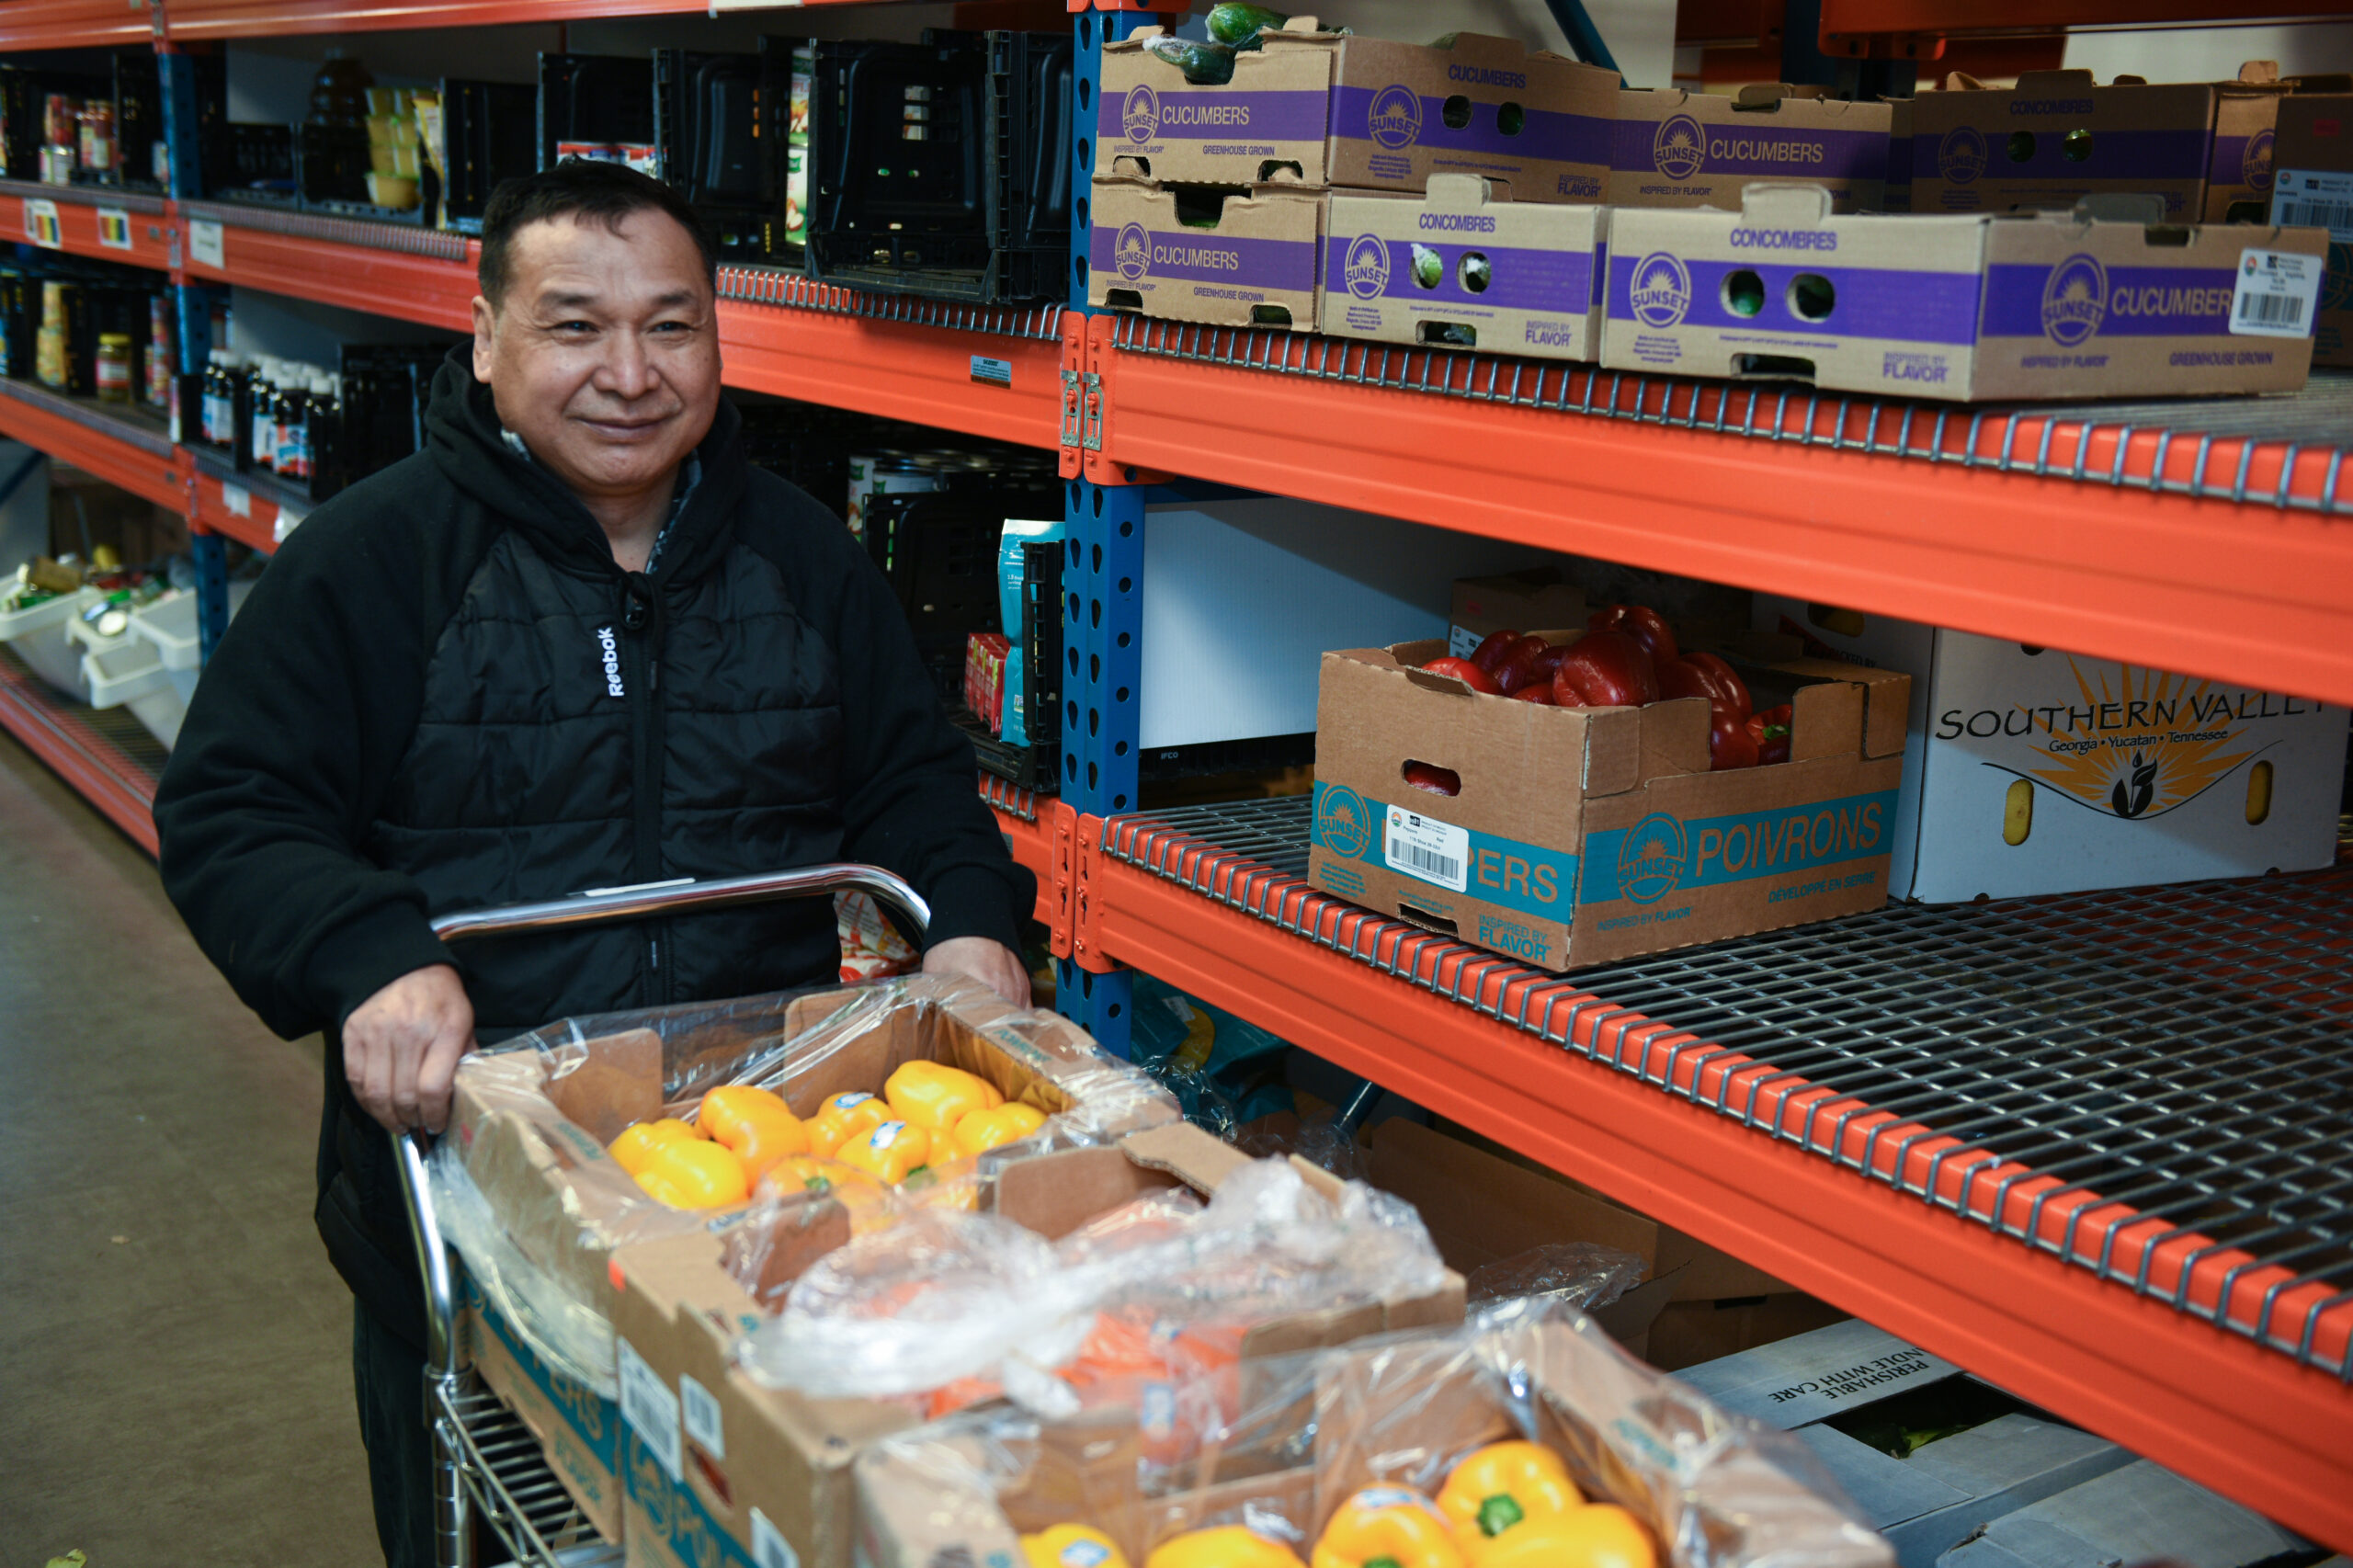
(301, 717)
(910, 784)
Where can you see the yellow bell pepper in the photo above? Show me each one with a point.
(1496, 1488)
(756, 1124)
(891, 1153)
(688, 1173)
(1071, 1545)
(1227, 1546)
(843, 1118)
(637, 1142)
(979, 1130)
(807, 1173)
(1600, 1535)
(935, 1096)
(1388, 1526)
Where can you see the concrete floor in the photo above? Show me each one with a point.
(175, 1350)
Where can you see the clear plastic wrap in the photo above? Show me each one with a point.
(533, 1118)
(1586, 1275)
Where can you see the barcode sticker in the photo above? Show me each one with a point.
(769, 1549)
(650, 1408)
(700, 1410)
(2277, 294)
(1421, 847)
(1462, 642)
(2314, 198)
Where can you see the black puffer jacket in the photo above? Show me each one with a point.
(444, 694)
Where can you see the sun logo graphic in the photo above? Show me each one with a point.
(1394, 119)
(2074, 299)
(1139, 114)
(1343, 824)
(1660, 291)
(1651, 860)
(2336, 286)
(2255, 164)
(2141, 781)
(1960, 156)
(1132, 252)
(1679, 148)
(1366, 267)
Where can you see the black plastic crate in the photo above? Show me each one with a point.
(596, 100)
(718, 139)
(489, 134)
(254, 163)
(943, 168)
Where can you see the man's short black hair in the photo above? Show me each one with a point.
(581, 189)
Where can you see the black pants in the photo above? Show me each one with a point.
(388, 1375)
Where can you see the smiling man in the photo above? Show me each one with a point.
(577, 642)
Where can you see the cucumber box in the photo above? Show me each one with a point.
(1675, 148)
(1229, 259)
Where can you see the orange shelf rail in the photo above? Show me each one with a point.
(117, 451)
(135, 230)
(1028, 822)
(58, 733)
(75, 24)
(194, 20)
(2233, 1414)
(2242, 591)
(240, 512)
(416, 275)
(1848, 27)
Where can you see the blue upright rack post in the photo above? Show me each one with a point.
(192, 316)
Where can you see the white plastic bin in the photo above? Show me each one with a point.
(170, 624)
(39, 637)
(129, 672)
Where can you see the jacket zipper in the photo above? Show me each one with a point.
(642, 624)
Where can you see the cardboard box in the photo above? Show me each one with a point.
(1514, 601)
(1324, 108)
(2099, 302)
(578, 1428)
(1675, 148)
(1248, 260)
(1464, 266)
(1898, 195)
(2314, 189)
(2028, 770)
(1582, 836)
(1939, 1494)
(1709, 1328)
(747, 1464)
(2140, 1512)
(2204, 147)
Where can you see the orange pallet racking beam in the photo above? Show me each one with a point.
(144, 464)
(418, 275)
(195, 19)
(1848, 25)
(2252, 593)
(75, 24)
(54, 733)
(2238, 1417)
(1028, 822)
(133, 230)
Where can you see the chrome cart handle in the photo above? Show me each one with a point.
(432, 1257)
(687, 897)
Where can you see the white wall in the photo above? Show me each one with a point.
(2212, 54)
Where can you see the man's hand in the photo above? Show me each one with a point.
(401, 1048)
(993, 964)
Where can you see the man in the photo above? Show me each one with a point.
(576, 642)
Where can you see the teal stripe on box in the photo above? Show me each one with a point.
(1501, 871)
(1662, 854)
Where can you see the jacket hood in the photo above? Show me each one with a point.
(466, 440)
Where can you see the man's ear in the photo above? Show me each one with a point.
(485, 333)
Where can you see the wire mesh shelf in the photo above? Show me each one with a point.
(1010, 798)
(410, 239)
(2154, 1083)
(510, 1482)
(2286, 451)
(778, 286)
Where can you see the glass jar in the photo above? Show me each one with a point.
(114, 367)
(97, 136)
(49, 351)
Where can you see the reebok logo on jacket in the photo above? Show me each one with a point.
(612, 662)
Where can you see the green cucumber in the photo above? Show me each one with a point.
(1204, 64)
(1238, 25)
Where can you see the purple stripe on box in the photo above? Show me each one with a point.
(1369, 269)
(2241, 160)
(1396, 120)
(1968, 153)
(1133, 253)
(1681, 149)
(2078, 300)
(1145, 118)
(1867, 302)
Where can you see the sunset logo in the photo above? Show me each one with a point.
(1366, 267)
(1395, 119)
(1651, 860)
(1131, 253)
(2255, 164)
(1661, 291)
(2074, 300)
(1343, 825)
(1679, 148)
(1139, 114)
(1960, 156)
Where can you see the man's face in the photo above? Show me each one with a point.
(604, 356)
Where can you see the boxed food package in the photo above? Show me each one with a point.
(1226, 258)
(985, 653)
(1464, 266)
(1928, 1454)
(1531, 1421)
(1579, 836)
(2314, 189)
(1675, 148)
(2029, 770)
(1329, 108)
(1065, 1267)
(1511, 601)
(542, 1214)
(2102, 301)
(2204, 147)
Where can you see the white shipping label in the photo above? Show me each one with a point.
(2314, 198)
(699, 1408)
(769, 1549)
(204, 244)
(650, 1408)
(238, 498)
(1462, 642)
(1423, 847)
(41, 225)
(2277, 294)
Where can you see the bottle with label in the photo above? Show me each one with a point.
(322, 422)
(50, 354)
(215, 417)
(161, 359)
(113, 367)
(294, 425)
(261, 441)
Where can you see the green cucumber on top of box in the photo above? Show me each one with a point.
(1581, 835)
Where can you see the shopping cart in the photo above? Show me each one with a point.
(484, 1458)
